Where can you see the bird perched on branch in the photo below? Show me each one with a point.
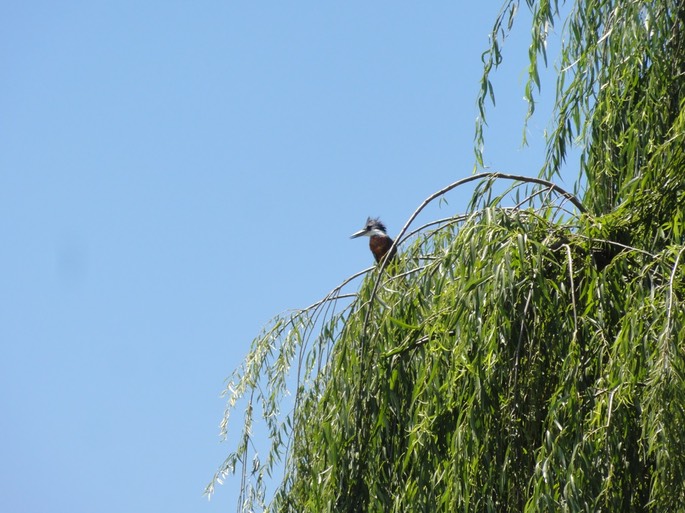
(379, 242)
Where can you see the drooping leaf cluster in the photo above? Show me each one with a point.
(527, 354)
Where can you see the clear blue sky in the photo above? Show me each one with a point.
(175, 173)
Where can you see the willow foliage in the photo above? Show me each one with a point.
(527, 354)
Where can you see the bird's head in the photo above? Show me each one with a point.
(373, 227)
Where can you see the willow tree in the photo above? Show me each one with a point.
(527, 354)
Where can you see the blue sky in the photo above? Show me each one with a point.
(172, 175)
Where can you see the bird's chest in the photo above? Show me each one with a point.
(379, 246)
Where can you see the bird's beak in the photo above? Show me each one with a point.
(358, 234)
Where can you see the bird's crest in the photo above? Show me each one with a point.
(372, 223)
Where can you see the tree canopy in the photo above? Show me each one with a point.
(527, 354)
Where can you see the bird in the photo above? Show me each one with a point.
(379, 242)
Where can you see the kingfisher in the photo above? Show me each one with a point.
(379, 242)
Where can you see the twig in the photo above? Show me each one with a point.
(573, 291)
